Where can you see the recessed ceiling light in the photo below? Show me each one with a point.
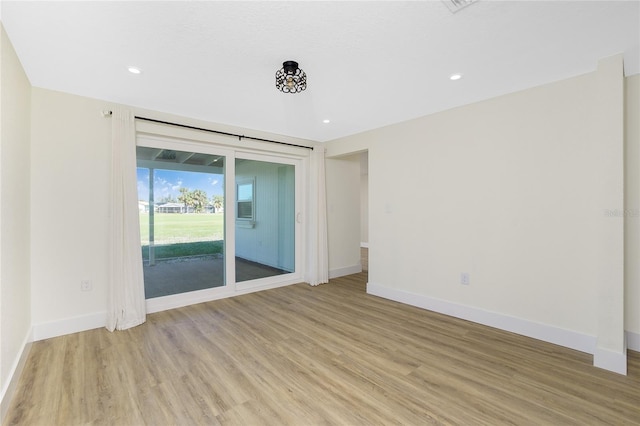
(326, 121)
(455, 77)
(134, 70)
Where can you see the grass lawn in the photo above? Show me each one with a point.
(197, 248)
(172, 228)
(179, 235)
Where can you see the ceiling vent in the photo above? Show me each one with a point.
(456, 5)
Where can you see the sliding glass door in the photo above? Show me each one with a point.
(182, 221)
(216, 221)
(265, 219)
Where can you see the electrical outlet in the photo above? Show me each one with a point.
(464, 278)
(85, 285)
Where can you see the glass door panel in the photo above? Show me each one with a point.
(181, 203)
(265, 219)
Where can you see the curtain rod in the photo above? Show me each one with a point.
(240, 137)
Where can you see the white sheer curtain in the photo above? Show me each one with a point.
(126, 307)
(318, 263)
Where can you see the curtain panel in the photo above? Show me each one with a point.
(318, 263)
(126, 305)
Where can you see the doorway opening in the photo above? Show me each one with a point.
(364, 210)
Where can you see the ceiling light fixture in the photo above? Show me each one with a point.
(455, 77)
(456, 5)
(134, 70)
(290, 78)
(326, 121)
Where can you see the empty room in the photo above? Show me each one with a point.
(320, 212)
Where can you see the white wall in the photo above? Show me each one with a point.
(343, 215)
(608, 136)
(509, 190)
(15, 312)
(632, 208)
(70, 162)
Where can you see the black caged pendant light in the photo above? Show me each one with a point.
(290, 78)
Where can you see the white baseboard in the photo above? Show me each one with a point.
(633, 341)
(610, 360)
(69, 325)
(347, 270)
(9, 389)
(567, 338)
(364, 245)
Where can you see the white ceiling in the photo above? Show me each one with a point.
(368, 64)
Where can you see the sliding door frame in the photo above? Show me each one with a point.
(284, 155)
(298, 274)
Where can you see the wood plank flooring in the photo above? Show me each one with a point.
(304, 355)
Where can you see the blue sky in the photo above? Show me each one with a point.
(168, 182)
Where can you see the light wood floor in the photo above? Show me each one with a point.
(316, 355)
